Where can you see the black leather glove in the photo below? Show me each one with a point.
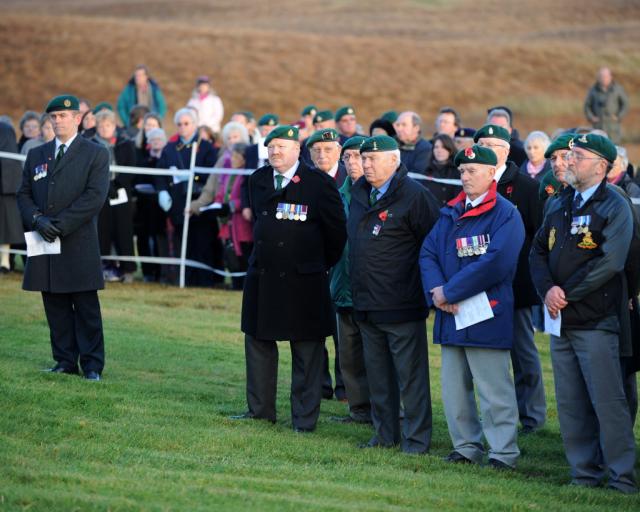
(47, 229)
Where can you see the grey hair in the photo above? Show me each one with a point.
(106, 115)
(29, 115)
(186, 112)
(538, 135)
(500, 112)
(234, 126)
(396, 153)
(622, 153)
(156, 133)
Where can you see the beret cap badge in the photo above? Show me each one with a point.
(571, 144)
(583, 139)
(290, 133)
(67, 103)
(349, 110)
(490, 130)
(469, 153)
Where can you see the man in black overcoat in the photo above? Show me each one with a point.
(299, 234)
(64, 185)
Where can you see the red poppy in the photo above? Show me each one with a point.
(296, 179)
(383, 215)
(468, 152)
(549, 190)
(509, 189)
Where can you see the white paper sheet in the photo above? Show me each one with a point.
(552, 325)
(212, 206)
(473, 310)
(36, 245)
(121, 199)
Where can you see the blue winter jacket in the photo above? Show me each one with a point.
(466, 276)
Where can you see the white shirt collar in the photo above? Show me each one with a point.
(66, 144)
(333, 171)
(287, 175)
(476, 201)
(499, 172)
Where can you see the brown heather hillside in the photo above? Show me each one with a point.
(539, 57)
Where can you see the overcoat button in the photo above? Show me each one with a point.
(280, 244)
(282, 274)
(264, 212)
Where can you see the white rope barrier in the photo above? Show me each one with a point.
(189, 174)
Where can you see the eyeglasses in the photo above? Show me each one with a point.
(488, 145)
(579, 157)
(347, 157)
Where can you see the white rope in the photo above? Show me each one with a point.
(152, 259)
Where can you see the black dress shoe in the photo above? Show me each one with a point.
(457, 458)
(91, 375)
(374, 442)
(300, 430)
(327, 394)
(61, 369)
(498, 464)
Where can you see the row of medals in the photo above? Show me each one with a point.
(284, 215)
(472, 250)
(579, 229)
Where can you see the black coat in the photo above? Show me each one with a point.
(286, 291)
(443, 192)
(517, 153)
(178, 155)
(522, 191)
(72, 193)
(385, 276)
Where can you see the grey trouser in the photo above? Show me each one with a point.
(306, 380)
(488, 369)
(594, 416)
(527, 371)
(397, 365)
(354, 373)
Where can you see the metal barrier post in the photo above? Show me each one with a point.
(185, 224)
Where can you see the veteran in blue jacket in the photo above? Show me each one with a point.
(473, 250)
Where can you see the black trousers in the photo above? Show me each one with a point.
(115, 227)
(306, 380)
(150, 228)
(75, 325)
(327, 384)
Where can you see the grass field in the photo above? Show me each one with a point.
(154, 434)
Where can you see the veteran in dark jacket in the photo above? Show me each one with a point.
(389, 217)
(299, 234)
(577, 262)
(473, 249)
(522, 191)
(64, 186)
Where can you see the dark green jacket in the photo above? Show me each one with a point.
(340, 280)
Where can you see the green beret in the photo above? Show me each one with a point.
(325, 135)
(354, 142)
(492, 131)
(344, 111)
(268, 120)
(475, 155)
(322, 116)
(286, 131)
(390, 115)
(597, 144)
(378, 143)
(560, 142)
(103, 105)
(549, 185)
(64, 102)
(309, 110)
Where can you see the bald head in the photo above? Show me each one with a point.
(604, 77)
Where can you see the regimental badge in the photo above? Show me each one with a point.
(376, 229)
(319, 119)
(375, 145)
(490, 130)
(571, 143)
(461, 133)
(552, 238)
(313, 112)
(67, 103)
(290, 133)
(587, 241)
(469, 153)
(583, 139)
(349, 111)
(271, 122)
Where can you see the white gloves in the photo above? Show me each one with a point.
(164, 200)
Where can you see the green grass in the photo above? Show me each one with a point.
(154, 435)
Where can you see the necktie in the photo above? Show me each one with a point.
(60, 153)
(279, 178)
(468, 207)
(577, 202)
(373, 197)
